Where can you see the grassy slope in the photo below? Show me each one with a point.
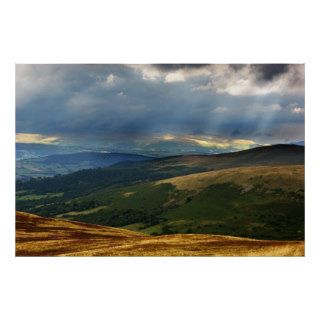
(37, 236)
(86, 181)
(288, 178)
(260, 202)
(266, 155)
(252, 193)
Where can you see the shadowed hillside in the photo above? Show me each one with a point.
(55, 164)
(279, 154)
(37, 236)
(86, 181)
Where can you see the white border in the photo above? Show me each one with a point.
(144, 31)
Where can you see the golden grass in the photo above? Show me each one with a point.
(290, 178)
(37, 236)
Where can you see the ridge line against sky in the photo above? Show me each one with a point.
(160, 108)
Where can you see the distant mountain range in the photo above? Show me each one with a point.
(52, 165)
(34, 150)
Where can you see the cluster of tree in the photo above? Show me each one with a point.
(124, 217)
(120, 218)
(167, 229)
(86, 181)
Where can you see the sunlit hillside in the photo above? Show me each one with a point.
(37, 236)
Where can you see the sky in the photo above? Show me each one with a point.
(160, 109)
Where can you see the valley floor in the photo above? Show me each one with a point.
(38, 236)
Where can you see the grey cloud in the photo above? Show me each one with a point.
(236, 67)
(72, 102)
(267, 72)
(173, 67)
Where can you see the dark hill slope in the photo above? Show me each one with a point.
(121, 174)
(281, 154)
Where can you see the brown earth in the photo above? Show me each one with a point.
(38, 236)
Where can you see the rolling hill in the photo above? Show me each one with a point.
(259, 202)
(265, 202)
(267, 155)
(52, 165)
(121, 174)
(257, 193)
(37, 236)
(35, 150)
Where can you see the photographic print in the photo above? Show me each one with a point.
(160, 160)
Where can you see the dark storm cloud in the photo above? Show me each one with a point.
(106, 102)
(267, 72)
(236, 67)
(173, 67)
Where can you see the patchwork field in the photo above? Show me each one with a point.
(38, 236)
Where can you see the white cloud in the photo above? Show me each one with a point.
(221, 78)
(175, 77)
(148, 72)
(244, 82)
(298, 110)
(184, 74)
(109, 80)
(152, 72)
